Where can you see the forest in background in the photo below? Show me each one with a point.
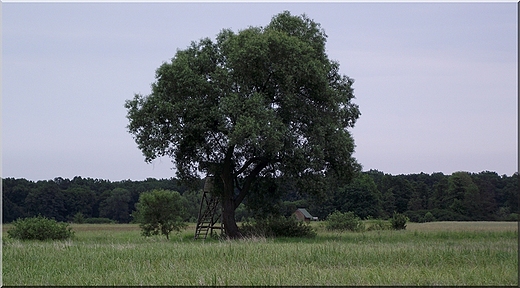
(461, 196)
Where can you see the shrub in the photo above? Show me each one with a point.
(420, 216)
(379, 225)
(428, 217)
(40, 228)
(344, 221)
(79, 218)
(512, 217)
(277, 226)
(398, 221)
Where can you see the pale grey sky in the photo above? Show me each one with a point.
(436, 82)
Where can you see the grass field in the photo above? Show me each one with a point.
(437, 253)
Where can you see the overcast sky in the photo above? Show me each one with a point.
(436, 82)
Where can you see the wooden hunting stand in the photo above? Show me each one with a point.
(210, 212)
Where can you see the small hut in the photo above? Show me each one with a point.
(303, 215)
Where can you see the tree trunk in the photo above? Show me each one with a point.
(228, 201)
(228, 218)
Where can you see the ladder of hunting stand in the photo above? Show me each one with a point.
(209, 212)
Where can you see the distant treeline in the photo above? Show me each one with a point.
(422, 197)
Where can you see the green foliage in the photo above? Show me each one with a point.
(361, 197)
(428, 217)
(242, 213)
(193, 199)
(398, 221)
(40, 228)
(260, 102)
(504, 214)
(47, 200)
(77, 199)
(421, 216)
(160, 212)
(448, 215)
(415, 216)
(498, 197)
(99, 220)
(264, 199)
(277, 226)
(116, 206)
(513, 217)
(378, 224)
(463, 195)
(344, 221)
(79, 218)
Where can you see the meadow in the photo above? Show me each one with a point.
(435, 253)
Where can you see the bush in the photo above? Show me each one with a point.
(79, 218)
(379, 225)
(277, 226)
(512, 217)
(428, 217)
(344, 221)
(420, 216)
(40, 228)
(398, 221)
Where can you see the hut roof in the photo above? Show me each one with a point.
(305, 212)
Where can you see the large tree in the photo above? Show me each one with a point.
(265, 101)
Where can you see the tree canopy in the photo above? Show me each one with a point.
(265, 101)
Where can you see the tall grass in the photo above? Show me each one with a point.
(118, 255)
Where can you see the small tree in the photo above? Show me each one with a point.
(160, 212)
(398, 221)
(428, 217)
(79, 218)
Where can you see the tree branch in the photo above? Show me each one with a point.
(246, 165)
(266, 81)
(249, 180)
(237, 185)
